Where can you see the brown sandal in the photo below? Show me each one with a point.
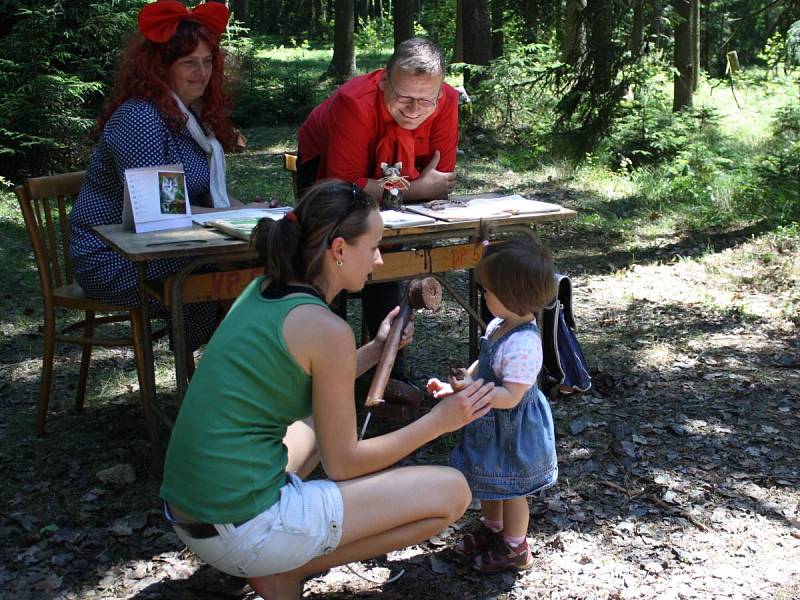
(480, 541)
(503, 557)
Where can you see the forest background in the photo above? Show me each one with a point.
(678, 469)
(604, 88)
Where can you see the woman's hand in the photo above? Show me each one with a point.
(383, 331)
(457, 410)
(438, 389)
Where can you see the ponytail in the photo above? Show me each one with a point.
(277, 244)
(293, 248)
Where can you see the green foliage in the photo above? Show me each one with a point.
(375, 34)
(514, 102)
(778, 170)
(55, 66)
(437, 20)
(775, 51)
(268, 94)
(793, 44)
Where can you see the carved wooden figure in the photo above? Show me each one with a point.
(393, 184)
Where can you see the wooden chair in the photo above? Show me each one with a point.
(45, 203)
(290, 165)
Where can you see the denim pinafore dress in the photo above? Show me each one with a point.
(511, 452)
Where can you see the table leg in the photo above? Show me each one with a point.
(473, 323)
(175, 301)
(475, 320)
(179, 329)
(149, 393)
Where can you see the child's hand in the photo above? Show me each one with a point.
(463, 407)
(459, 379)
(438, 389)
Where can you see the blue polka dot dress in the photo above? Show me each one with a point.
(135, 136)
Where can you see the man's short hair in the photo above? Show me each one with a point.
(418, 56)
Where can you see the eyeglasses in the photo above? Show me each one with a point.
(194, 64)
(409, 100)
(358, 200)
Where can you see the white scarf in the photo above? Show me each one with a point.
(216, 157)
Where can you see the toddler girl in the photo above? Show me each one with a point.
(509, 453)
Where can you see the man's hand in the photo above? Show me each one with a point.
(432, 183)
(439, 184)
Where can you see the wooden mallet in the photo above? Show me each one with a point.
(396, 399)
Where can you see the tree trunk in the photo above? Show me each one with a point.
(272, 17)
(531, 17)
(316, 18)
(636, 43)
(573, 41)
(682, 81)
(657, 25)
(694, 34)
(497, 27)
(241, 12)
(403, 21)
(458, 49)
(343, 63)
(599, 43)
(476, 39)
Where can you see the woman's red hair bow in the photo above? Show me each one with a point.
(158, 21)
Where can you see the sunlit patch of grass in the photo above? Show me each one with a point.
(758, 98)
(259, 170)
(606, 184)
(766, 268)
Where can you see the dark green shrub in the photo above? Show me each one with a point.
(777, 189)
(56, 65)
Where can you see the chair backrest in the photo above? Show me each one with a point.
(290, 165)
(45, 204)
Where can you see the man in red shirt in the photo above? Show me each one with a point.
(402, 113)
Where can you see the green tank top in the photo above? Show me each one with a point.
(226, 460)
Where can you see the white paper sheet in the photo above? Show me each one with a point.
(241, 213)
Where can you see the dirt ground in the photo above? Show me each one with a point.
(679, 470)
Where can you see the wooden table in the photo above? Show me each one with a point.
(430, 249)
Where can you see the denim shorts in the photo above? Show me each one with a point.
(304, 523)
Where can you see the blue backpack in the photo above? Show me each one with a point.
(564, 365)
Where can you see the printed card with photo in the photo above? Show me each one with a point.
(156, 198)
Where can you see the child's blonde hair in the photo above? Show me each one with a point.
(520, 273)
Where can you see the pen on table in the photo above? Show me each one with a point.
(178, 243)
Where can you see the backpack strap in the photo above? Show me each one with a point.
(565, 297)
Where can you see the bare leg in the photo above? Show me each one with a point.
(492, 510)
(382, 512)
(516, 515)
(301, 442)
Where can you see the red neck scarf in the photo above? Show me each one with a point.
(158, 21)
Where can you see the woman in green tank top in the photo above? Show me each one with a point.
(274, 395)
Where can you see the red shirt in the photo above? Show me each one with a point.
(344, 131)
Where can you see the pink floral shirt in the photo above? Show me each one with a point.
(519, 358)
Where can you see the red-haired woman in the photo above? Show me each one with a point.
(169, 106)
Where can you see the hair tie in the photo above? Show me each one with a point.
(158, 21)
(291, 216)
